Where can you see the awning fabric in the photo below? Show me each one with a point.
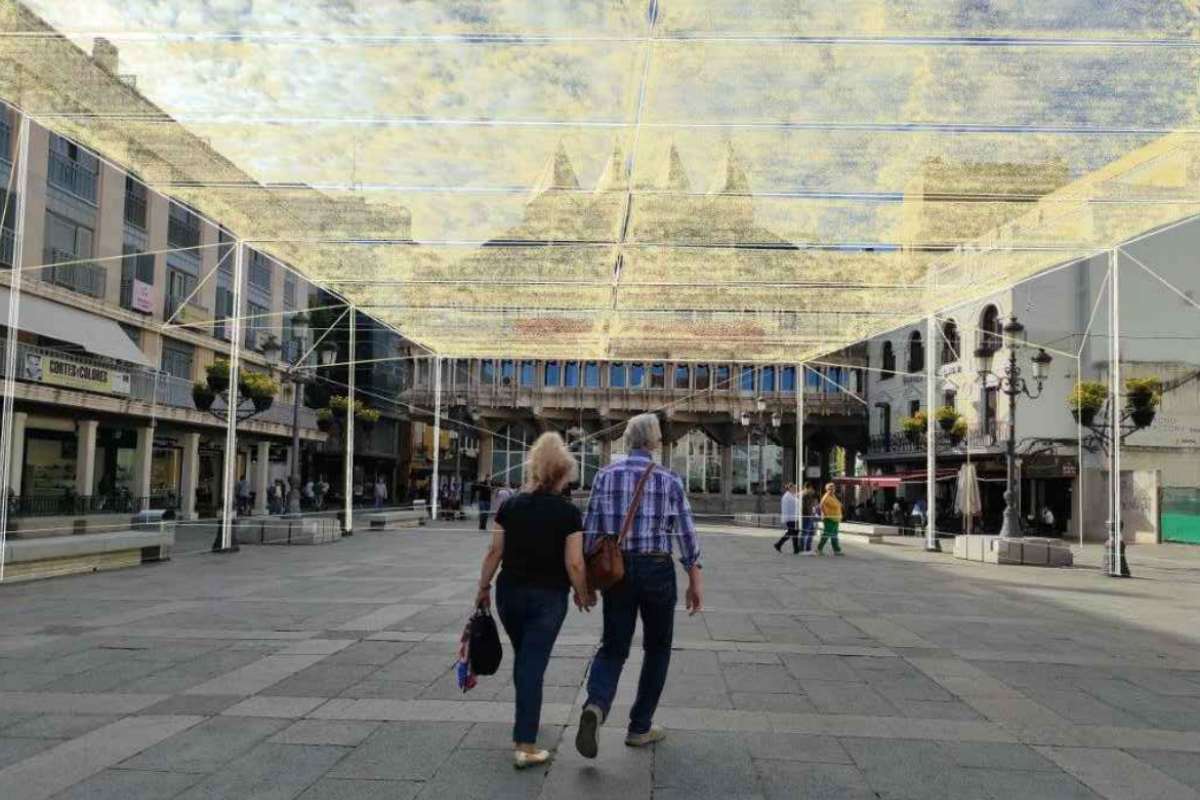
(97, 335)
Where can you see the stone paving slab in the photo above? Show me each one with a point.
(889, 673)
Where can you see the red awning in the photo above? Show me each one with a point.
(894, 481)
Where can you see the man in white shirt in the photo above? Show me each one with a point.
(789, 511)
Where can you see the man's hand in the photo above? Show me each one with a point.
(586, 601)
(484, 598)
(694, 596)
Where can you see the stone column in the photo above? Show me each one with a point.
(17, 465)
(142, 457)
(190, 477)
(85, 459)
(484, 462)
(605, 452)
(261, 478)
(727, 476)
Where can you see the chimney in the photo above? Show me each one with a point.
(104, 53)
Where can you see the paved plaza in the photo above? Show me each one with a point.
(324, 672)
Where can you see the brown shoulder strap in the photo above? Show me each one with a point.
(634, 504)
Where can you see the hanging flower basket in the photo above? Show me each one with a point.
(203, 396)
(325, 420)
(914, 426)
(946, 417)
(958, 432)
(1085, 416)
(1143, 416)
(218, 376)
(1086, 400)
(261, 404)
(366, 418)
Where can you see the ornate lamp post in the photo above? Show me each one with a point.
(760, 429)
(1012, 384)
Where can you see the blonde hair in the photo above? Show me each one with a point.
(549, 463)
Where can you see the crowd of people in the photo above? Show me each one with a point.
(800, 510)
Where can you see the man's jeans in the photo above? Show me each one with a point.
(484, 508)
(532, 617)
(648, 589)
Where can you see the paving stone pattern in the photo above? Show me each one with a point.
(324, 673)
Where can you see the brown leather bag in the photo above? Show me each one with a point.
(605, 565)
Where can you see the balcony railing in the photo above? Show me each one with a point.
(7, 247)
(191, 311)
(154, 386)
(72, 177)
(71, 273)
(135, 210)
(903, 444)
(182, 233)
(5, 139)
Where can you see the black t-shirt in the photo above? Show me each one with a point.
(536, 527)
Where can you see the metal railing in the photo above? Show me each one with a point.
(70, 504)
(172, 304)
(135, 210)
(154, 386)
(903, 443)
(71, 273)
(5, 138)
(182, 233)
(71, 176)
(8, 243)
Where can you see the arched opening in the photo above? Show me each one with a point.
(887, 361)
(916, 352)
(951, 343)
(989, 325)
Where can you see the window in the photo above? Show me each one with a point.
(177, 359)
(916, 353)
(509, 447)
(225, 251)
(553, 376)
(702, 377)
(462, 373)
(180, 286)
(591, 375)
(616, 375)
(72, 168)
(887, 362)
(913, 407)
(135, 266)
(683, 376)
(787, 380)
(487, 372)
(951, 346)
(658, 376)
(507, 372)
(222, 313)
(289, 292)
(257, 324)
(989, 323)
(528, 370)
(259, 272)
(571, 374)
(67, 238)
(768, 379)
(183, 227)
(135, 203)
(722, 376)
(949, 398)
(746, 384)
(989, 410)
(885, 419)
(637, 376)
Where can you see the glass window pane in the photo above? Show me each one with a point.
(747, 382)
(658, 376)
(616, 375)
(571, 374)
(553, 376)
(637, 375)
(527, 373)
(768, 379)
(702, 376)
(682, 376)
(787, 380)
(487, 372)
(722, 376)
(591, 375)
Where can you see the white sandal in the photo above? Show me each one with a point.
(521, 759)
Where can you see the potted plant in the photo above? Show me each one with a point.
(339, 403)
(958, 431)
(367, 417)
(1086, 400)
(946, 418)
(324, 419)
(218, 375)
(914, 426)
(1142, 396)
(260, 388)
(203, 395)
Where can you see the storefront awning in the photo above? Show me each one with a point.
(97, 335)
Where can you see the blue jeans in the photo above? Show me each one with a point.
(532, 617)
(649, 590)
(808, 527)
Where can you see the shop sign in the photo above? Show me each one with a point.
(143, 297)
(74, 375)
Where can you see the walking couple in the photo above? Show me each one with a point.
(538, 544)
(800, 514)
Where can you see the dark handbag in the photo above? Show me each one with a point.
(605, 565)
(483, 648)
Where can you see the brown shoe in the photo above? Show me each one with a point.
(655, 734)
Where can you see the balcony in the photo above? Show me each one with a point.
(5, 139)
(69, 272)
(189, 310)
(135, 210)
(7, 247)
(182, 232)
(899, 444)
(71, 176)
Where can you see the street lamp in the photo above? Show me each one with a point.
(1013, 385)
(760, 428)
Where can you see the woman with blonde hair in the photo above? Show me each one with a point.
(537, 543)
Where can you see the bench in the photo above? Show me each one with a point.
(52, 556)
(398, 518)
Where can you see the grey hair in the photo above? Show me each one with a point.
(643, 433)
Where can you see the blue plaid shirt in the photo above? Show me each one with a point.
(663, 517)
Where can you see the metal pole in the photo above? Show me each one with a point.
(229, 483)
(435, 481)
(800, 428)
(1116, 560)
(293, 496)
(1012, 516)
(10, 351)
(931, 542)
(348, 477)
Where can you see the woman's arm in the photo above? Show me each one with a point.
(577, 572)
(491, 563)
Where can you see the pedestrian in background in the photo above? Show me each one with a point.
(788, 512)
(502, 494)
(831, 514)
(661, 522)
(809, 512)
(483, 496)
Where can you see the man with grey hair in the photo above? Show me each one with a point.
(662, 522)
